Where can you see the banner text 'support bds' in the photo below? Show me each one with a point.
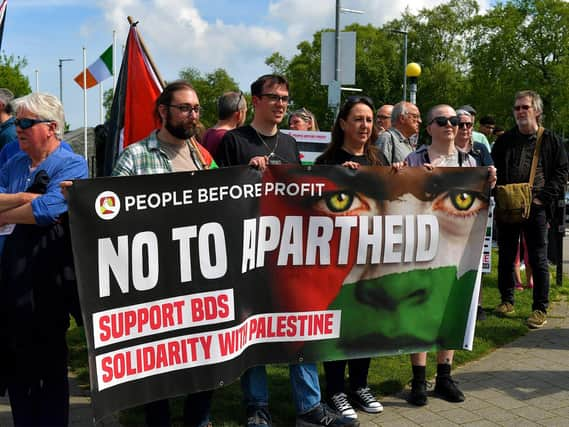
(188, 279)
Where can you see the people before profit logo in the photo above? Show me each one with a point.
(107, 205)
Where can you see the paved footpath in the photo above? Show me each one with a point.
(525, 383)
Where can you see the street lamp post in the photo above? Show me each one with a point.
(413, 71)
(61, 61)
(337, 83)
(404, 61)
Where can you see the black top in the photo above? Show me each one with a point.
(341, 156)
(240, 145)
(511, 154)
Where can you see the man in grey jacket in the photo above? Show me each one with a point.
(394, 143)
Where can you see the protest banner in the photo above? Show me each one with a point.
(188, 279)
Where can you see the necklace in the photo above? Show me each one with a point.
(271, 152)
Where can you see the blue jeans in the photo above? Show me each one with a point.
(303, 379)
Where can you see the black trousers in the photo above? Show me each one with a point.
(535, 230)
(357, 369)
(196, 411)
(40, 397)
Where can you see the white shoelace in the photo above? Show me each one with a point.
(368, 398)
(341, 403)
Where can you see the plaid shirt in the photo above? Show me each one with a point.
(146, 158)
(143, 158)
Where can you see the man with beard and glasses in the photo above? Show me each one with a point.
(259, 145)
(172, 148)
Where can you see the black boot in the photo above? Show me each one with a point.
(418, 394)
(445, 387)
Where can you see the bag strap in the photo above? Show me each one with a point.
(535, 156)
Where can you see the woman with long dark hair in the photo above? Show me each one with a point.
(352, 145)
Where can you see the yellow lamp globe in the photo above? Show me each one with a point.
(413, 70)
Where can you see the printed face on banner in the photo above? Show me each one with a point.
(395, 251)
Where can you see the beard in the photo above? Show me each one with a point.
(180, 131)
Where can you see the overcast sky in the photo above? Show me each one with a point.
(206, 34)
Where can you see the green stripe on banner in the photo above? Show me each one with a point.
(408, 312)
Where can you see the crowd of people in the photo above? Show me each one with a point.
(36, 249)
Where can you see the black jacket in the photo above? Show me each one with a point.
(553, 159)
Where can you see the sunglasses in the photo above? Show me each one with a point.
(354, 99)
(464, 125)
(274, 98)
(239, 100)
(522, 107)
(442, 121)
(28, 123)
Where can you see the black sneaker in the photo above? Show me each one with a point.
(363, 398)
(446, 388)
(322, 415)
(418, 394)
(258, 416)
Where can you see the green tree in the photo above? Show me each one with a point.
(523, 44)
(379, 79)
(108, 102)
(209, 88)
(11, 74)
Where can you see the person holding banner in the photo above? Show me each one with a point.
(352, 145)
(443, 128)
(261, 144)
(172, 148)
(38, 290)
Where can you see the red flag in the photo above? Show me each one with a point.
(132, 113)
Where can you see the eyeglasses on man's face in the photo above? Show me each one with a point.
(274, 98)
(442, 121)
(464, 125)
(187, 108)
(380, 117)
(28, 123)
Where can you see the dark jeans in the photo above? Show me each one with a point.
(196, 411)
(41, 401)
(357, 368)
(535, 230)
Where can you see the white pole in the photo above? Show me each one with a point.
(114, 59)
(37, 80)
(85, 101)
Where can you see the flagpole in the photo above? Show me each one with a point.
(114, 60)
(143, 45)
(101, 113)
(85, 101)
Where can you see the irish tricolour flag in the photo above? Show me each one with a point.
(98, 71)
